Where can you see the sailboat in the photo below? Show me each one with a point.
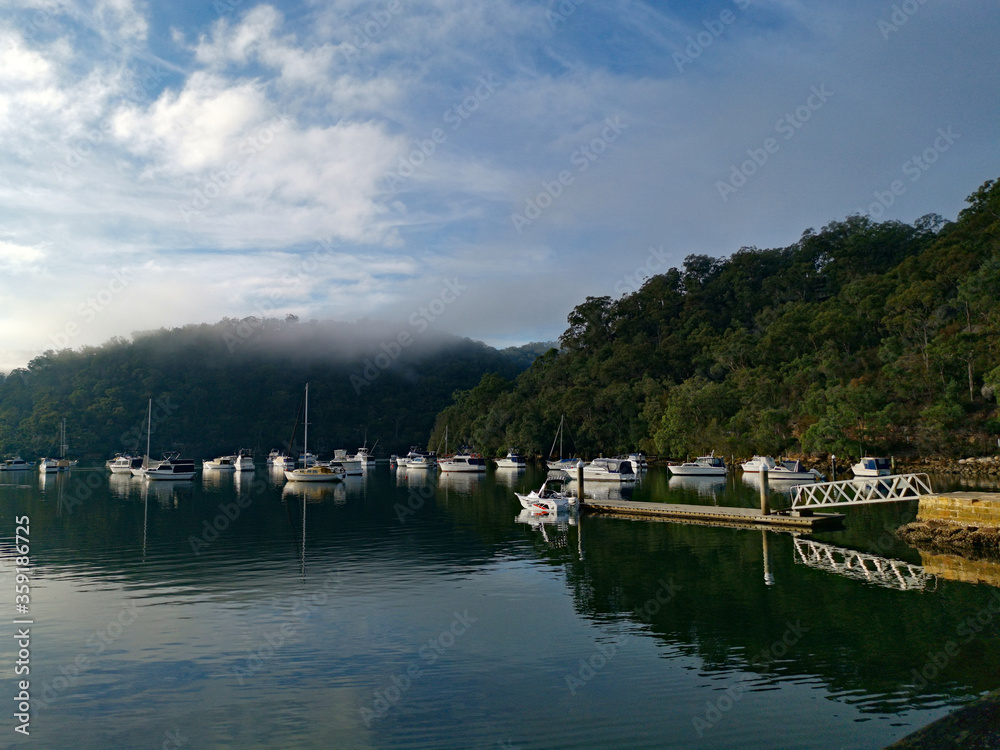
(561, 464)
(52, 465)
(170, 467)
(313, 473)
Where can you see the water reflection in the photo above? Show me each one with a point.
(464, 482)
(708, 487)
(874, 569)
(509, 476)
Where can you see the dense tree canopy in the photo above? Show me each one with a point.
(863, 336)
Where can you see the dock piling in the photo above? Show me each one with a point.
(765, 505)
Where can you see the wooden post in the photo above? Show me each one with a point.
(765, 506)
(833, 467)
(579, 482)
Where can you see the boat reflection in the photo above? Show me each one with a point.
(466, 482)
(705, 486)
(315, 492)
(508, 476)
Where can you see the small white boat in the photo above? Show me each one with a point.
(123, 463)
(15, 464)
(352, 467)
(707, 466)
(513, 460)
(48, 465)
(364, 456)
(638, 461)
(244, 461)
(307, 459)
(170, 467)
(606, 470)
(872, 467)
(463, 461)
(283, 461)
(755, 464)
(546, 500)
(793, 471)
(222, 463)
(421, 462)
(272, 455)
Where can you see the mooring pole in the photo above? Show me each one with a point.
(579, 481)
(765, 506)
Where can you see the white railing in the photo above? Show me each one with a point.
(859, 491)
(881, 571)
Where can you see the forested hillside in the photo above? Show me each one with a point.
(239, 383)
(861, 337)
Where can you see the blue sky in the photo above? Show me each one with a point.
(173, 163)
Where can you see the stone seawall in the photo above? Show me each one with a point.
(966, 522)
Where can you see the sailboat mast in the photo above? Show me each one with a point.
(305, 437)
(149, 428)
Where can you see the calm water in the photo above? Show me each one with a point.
(417, 612)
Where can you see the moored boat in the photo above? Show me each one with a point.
(755, 464)
(513, 460)
(463, 461)
(244, 461)
(870, 466)
(317, 473)
(793, 471)
(123, 463)
(171, 466)
(221, 463)
(15, 464)
(546, 499)
(708, 466)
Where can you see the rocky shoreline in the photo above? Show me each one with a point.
(972, 542)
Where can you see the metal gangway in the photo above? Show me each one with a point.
(860, 491)
(881, 571)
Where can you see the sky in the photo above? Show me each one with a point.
(478, 167)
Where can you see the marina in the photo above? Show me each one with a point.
(305, 601)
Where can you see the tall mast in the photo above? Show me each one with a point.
(149, 429)
(305, 437)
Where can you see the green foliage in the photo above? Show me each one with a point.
(239, 383)
(861, 337)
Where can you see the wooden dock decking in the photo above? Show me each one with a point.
(714, 515)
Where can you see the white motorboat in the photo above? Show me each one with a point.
(872, 467)
(313, 473)
(708, 466)
(15, 464)
(463, 461)
(49, 465)
(513, 460)
(221, 463)
(608, 470)
(272, 455)
(364, 456)
(546, 500)
(170, 467)
(638, 461)
(123, 463)
(352, 467)
(283, 461)
(422, 461)
(564, 464)
(793, 471)
(308, 459)
(755, 464)
(244, 461)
